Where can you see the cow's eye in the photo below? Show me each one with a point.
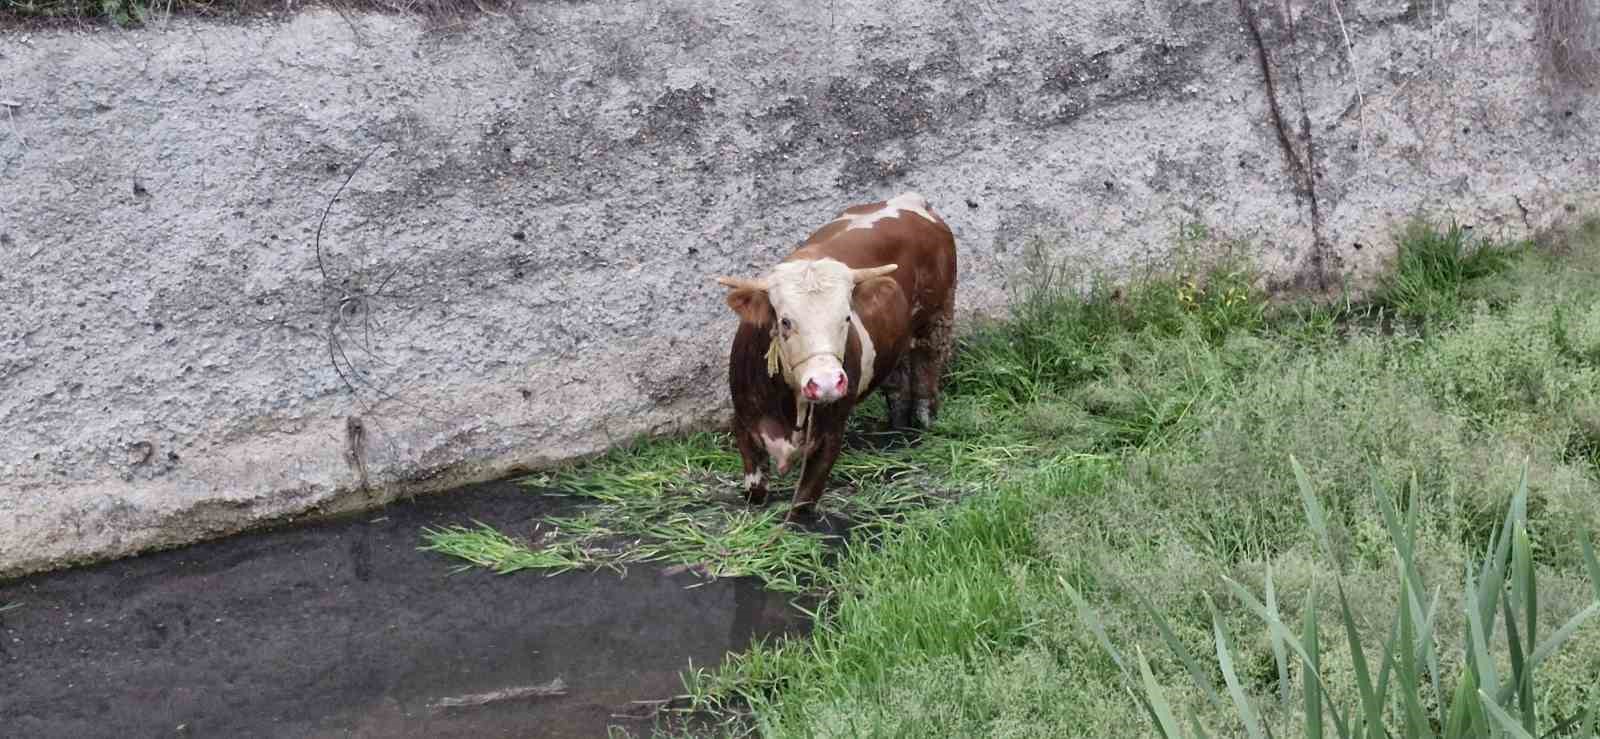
(787, 324)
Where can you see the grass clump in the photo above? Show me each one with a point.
(675, 502)
(925, 591)
(1406, 685)
(667, 502)
(1438, 270)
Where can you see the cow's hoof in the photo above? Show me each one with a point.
(756, 496)
(899, 418)
(800, 515)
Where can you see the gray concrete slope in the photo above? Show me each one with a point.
(520, 272)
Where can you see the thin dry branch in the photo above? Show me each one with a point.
(553, 688)
(317, 242)
(1302, 171)
(1355, 79)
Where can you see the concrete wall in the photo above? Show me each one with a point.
(520, 272)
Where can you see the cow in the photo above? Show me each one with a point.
(866, 302)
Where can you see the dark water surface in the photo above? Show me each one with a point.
(344, 629)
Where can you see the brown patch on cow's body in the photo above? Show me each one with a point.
(907, 318)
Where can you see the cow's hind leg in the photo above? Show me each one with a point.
(928, 359)
(755, 457)
(897, 396)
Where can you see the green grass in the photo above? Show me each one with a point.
(1438, 270)
(676, 502)
(1131, 452)
(1410, 689)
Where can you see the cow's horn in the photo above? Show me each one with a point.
(740, 283)
(859, 276)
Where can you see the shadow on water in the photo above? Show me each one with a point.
(344, 629)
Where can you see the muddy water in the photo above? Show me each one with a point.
(344, 629)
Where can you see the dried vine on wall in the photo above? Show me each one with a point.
(1302, 167)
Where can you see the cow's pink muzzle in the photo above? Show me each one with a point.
(826, 386)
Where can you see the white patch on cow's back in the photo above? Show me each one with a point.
(869, 354)
(908, 202)
(913, 202)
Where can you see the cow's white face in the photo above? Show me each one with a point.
(806, 303)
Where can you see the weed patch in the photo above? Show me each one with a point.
(1126, 451)
(1438, 270)
(1194, 429)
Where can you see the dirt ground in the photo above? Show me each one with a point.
(345, 629)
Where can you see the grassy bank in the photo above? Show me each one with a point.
(1123, 464)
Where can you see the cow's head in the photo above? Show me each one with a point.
(807, 306)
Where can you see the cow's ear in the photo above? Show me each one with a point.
(876, 295)
(751, 305)
(748, 298)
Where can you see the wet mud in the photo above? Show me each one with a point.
(345, 629)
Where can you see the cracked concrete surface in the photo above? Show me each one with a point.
(521, 271)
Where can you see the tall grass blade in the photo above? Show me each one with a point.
(1501, 718)
(1563, 634)
(1590, 561)
(1371, 702)
(1158, 700)
(1564, 728)
(1523, 584)
(1277, 626)
(1501, 545)
(1518, 685)
(1198, 676)
(1464, 708)
(1277, 640)
(1388, 663)
(1092, 620)
(1312, 669)
(1429, 649)
(1225, 661)
(1416, 724)
(1314, 512)
(1481, 663)
(1399, 534)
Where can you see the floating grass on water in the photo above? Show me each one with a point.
(675, 501)
(483, 546)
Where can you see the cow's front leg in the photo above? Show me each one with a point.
(819, 464)
(755, 456)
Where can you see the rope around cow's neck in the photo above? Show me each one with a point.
(777, 362)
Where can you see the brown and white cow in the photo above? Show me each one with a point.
(866, 302)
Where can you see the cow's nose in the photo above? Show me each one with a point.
(811, 390)
(843, 384)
